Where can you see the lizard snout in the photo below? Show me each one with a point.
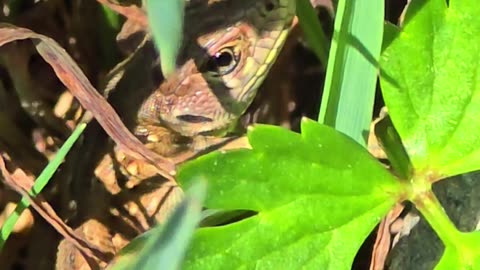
(195, 119)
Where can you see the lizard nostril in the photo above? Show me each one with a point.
(194, 118)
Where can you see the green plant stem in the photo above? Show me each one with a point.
(428, 204)
(470, 248)
(464, 246)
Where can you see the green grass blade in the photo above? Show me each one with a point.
(312, 28)
(11, 220)
(349, 91)
(109, 25)
(39, 184)
(165, 19)
(112, 18)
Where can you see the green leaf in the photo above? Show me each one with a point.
(165, 19)
(315, 204)
(40, 183)
(431, 86)
(164, 246)
(466, 256)
(350, 83)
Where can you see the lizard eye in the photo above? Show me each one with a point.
(223, 62)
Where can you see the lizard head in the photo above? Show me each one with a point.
(229, 46)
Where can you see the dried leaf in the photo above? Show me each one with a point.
(131, 12)
(21, 182)
(74, 79)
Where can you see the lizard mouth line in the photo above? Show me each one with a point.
(194, 119)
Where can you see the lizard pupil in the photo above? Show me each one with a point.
(223, 62)
(223, 59)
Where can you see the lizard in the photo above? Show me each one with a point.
(229, 47)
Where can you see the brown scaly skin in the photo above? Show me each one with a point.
(203, 96)
(229, 47)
